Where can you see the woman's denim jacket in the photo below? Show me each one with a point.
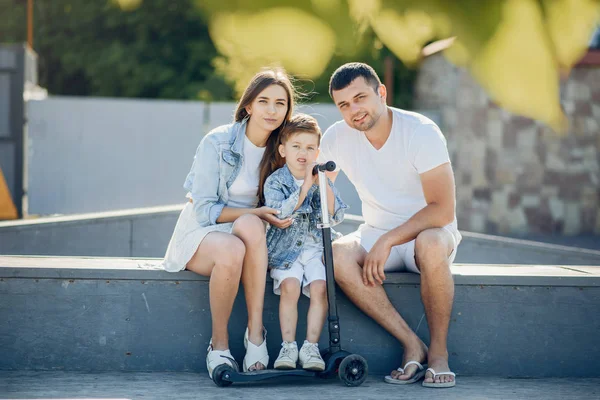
(282, 193)
(217, 163)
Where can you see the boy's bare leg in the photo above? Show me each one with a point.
(288, 308)
(317, 311)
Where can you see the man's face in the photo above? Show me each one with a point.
(360, 105)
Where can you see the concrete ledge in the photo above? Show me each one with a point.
(110, 314)
(149, 269)
(145, 232)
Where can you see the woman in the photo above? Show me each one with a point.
(220, 232)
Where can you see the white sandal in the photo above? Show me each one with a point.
(214, 358)
(419, 374)
(255, 353)
(440, 384)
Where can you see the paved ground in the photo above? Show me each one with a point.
(183, 386)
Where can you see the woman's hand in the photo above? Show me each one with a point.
(270, 215)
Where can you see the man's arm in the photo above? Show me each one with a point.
(440, 195)
(439, 190)
(328, 152)
(333, 175)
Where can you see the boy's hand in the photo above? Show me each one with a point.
(309, 178)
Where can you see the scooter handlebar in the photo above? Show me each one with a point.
(328, 166)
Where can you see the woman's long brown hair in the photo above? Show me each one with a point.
(262, 80)
(300, 123)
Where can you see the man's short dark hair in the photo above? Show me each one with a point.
(344, 75)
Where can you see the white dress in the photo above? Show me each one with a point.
(188, 234)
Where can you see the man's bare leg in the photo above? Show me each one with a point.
(349, 256)
(433, 248)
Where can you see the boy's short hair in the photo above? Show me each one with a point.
(300, 123)
(344, 75)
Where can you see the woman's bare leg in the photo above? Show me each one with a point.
(251, 230)
(220, 256)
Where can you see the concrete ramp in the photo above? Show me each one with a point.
(145, 232)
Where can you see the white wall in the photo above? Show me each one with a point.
(98, 154)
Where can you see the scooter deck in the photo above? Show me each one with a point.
(332, 361)
(254, 376)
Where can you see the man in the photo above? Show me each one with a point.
(399, 164)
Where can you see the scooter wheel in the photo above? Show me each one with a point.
(353, 370)
(220, 375)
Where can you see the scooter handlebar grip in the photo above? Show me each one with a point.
(328, 166)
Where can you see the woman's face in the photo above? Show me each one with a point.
(269, 108)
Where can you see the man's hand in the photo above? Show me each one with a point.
(374, 262)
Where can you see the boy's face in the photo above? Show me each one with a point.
(360, 105)
(300, 150)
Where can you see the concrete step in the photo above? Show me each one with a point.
(115, 314)
(145, 232)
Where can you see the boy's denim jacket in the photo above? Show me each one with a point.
(217, 163)
(282, 193)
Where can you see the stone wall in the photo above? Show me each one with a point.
(515, 175)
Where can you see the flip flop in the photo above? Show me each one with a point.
(440, 385)
(419, 374)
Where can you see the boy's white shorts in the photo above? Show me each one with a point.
(307, 268)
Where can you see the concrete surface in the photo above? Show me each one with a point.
(187, 386)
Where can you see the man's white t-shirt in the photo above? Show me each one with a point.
(387, 180)
(243, 192)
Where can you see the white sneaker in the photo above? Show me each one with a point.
(310, 358)
(288, 355)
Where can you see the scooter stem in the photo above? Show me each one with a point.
(334, 325)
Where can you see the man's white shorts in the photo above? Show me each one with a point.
(402, 257)
(307, 268)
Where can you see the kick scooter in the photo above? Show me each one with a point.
(352, 369)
